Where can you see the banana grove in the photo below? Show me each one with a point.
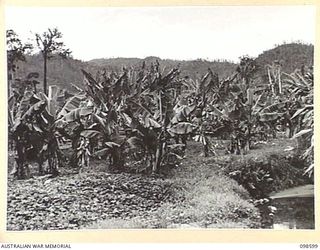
(143, 118)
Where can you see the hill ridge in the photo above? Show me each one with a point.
(63, 72)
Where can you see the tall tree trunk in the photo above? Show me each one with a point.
(45, 73)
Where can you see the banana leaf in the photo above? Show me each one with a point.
(266, 117)
(219, 113)
(302, 132)
(36, 108)
(274, 107)
(90, 133)
(182, 113)
(111, 144)
(101, 152)
(135, 142)
(75, 114)
(55, 100)
(149, 122)
(71, 104)
(182, 128)
(299, 111)
(24, 105)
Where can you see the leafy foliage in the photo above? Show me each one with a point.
(49, 43)
(16, 50)
(301, 87)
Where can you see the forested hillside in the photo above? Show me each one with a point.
(62, 72)
(192, 69)
(291, 56)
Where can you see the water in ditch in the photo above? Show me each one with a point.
(289, 213)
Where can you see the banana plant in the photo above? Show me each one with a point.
(151, 120)
(301, 87)
(199, 94)
(33, 128)
(73, 120)
(107, 94)
(26, 133)
(274, 76)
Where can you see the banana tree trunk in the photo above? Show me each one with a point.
(205, 150)
(157, 160)
(280, 84)
(270, 81)
(20, 160)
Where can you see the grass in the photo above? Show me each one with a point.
(211, 200)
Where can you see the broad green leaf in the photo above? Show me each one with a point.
(36, 108)
(182, 128)
(299, 111)
(127, 119)
(101, 120)
(37, 128)
(182, 113)
(24, 105)
(266, 117)
(309, 170)
(111, 144)
(75, 114)
(55, 99)
(135, 142)
(175, 155)
(273, 108)
(219, 113)
(71, 104)
(149, 122)
(90, 133)
(101, 152)
(302, 132)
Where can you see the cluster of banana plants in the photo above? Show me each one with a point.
(128, 114)
(145, 116)
(227, 109)
(198, 96)
(34, 131)
(154, 118)
(236, 108)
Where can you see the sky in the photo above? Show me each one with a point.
(184, 33)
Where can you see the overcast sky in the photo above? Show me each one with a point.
(168, 32)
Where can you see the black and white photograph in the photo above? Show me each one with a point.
(176, 117)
